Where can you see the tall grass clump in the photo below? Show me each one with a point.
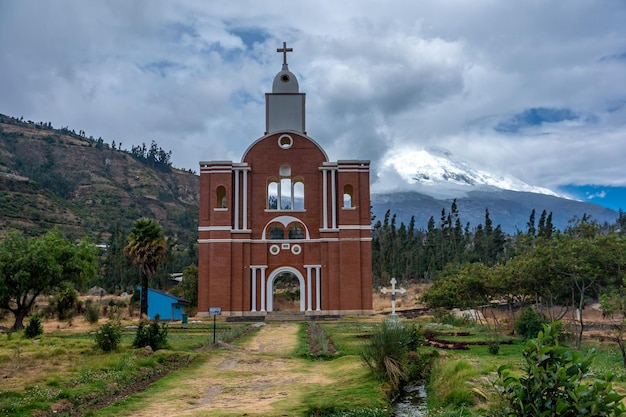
(385, 352)
(448, 385)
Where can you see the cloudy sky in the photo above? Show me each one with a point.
(535, 89)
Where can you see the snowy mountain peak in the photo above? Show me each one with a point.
(435, 171)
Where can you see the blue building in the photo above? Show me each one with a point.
(167, 306)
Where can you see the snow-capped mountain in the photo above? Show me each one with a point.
(430, 179)
(435, 171)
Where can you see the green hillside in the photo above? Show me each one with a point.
(84, 186)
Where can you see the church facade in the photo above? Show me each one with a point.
(285, 210)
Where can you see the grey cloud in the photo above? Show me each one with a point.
(378, 77)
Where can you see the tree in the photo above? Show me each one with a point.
(147, 248)
(188, 288)
(30, 267)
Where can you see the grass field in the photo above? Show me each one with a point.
(270, 370)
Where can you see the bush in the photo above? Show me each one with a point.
(529, 323)
(92, 312)
(153, 335)
(494, 348)
(34, 327)
(108, 336)
(66, 302)
(552, 383)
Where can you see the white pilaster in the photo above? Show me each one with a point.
(309, 292)
(318, 288)
(245, 199)
(263, 288)
(253, 287)
(325, 198)
(236, 211)
(333, 190)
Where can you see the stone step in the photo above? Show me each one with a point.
(285, 316)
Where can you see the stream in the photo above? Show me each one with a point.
(412, 402)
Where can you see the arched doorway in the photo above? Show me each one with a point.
(287, 275)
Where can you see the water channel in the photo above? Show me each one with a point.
(412, 402)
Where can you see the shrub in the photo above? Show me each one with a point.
(66, 302)
(529, 323)
(34, 327)
(92, 312)
(153, 335)
(108, 336)
(494, 348)
(552, 382)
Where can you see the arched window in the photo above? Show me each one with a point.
(298, 194)
(296, 232)
(347, 196)
(276, 232)
(272, 194)
(285, 171)
(285, 188)
(220, 197)
(285, 193)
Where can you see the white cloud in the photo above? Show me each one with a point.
(378, 76)
(600, 194)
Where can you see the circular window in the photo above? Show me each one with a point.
(285, 78)
(274, 249)
(296, 249)
(285, 141)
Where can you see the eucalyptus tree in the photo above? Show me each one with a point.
(147, 248)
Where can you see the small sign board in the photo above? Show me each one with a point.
(215, 311)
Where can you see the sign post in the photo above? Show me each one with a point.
(214, 311)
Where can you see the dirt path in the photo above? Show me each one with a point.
(247, 380)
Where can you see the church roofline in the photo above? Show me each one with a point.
(287, 132)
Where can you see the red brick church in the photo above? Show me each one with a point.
(285, 210)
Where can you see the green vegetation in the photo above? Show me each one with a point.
(34, 327)
(108, 336)
(153, 335)
(147, 248)
(552, 383)
(559, 274)
(30, 267)
(529, 323)
(47, 375)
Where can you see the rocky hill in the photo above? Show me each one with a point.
(58, 178)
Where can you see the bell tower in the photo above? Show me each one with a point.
(285, 105)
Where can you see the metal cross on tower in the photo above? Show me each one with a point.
(393, 292)
(284, 50)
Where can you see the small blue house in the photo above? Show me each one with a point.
(167, 306)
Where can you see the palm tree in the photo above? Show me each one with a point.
(147, 248)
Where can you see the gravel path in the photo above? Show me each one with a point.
(243, 381)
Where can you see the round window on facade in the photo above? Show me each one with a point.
(296, 249)
(285, 78)
(285, 141)
(274, 249)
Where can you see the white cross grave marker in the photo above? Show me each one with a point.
(393, 292)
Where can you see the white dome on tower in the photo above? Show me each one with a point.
(285, 82)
